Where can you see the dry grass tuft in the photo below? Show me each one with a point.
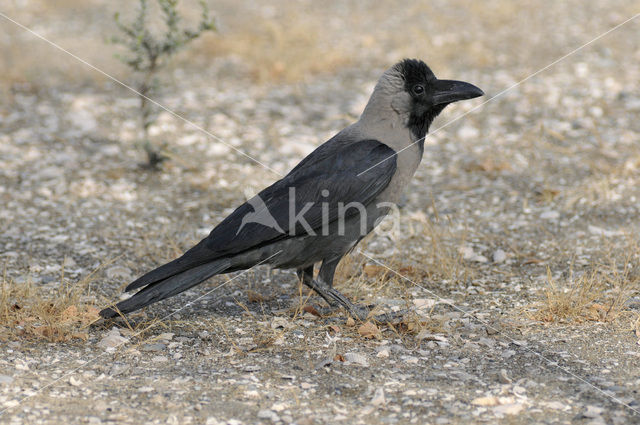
(39, 311)
(596, 295)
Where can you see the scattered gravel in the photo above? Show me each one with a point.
(540, 183)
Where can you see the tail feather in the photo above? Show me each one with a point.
(196, 256)
(168, 287)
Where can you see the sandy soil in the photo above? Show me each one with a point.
(517, 253)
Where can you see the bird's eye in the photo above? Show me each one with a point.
(418, 89)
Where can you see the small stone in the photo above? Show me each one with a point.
(20, 365)
(278, 407)
(5, 379)
(466, 252)
(356, 358)
(518, 390)
(509, 409)
(167, 336)
(593, 411)
(159, 359)
(324, 362)
(252, 394)
(410, 359)
(499, 256)
(554, 405)
(118, 369)
(252, 368)
(550, 215)
(153, 347)
(384, 353)
(428, 336)
(119, 272)
(281, 322)
(268, 414)
(423, 305)
(112, 340)
(469, 254)
(378, 398)
(485, 401)
(504, 377)
(507, 354)
(69, 263)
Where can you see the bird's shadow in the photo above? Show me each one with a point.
(263, 294)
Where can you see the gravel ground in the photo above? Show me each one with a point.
(537, 188)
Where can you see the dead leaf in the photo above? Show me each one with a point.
(50, 333)
(311, 310)
(338, 358)
(80, 335)
(69, 314)
(91, 314)
(335, 328)
(489, 165)
(371, 270)
(369, 330)
(411, 272)
(532, 261)
(255, 297)
(350, 322)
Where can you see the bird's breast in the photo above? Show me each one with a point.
(407, 162)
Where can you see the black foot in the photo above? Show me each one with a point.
(358, 312)
(391, 317)
(361, 313)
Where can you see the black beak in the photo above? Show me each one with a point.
(448, 91)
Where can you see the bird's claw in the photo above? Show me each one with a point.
(362, 313)
(391, 317)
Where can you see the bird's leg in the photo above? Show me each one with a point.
(305, 275)
(323, 285)
(335, 299)
(328, 271)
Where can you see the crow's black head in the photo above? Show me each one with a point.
(428, 95)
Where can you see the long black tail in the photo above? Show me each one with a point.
(168, 287)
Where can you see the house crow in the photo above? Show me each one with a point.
(321, 209)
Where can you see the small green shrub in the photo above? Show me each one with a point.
(148, 52)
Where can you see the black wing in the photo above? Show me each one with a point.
(329, 175)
